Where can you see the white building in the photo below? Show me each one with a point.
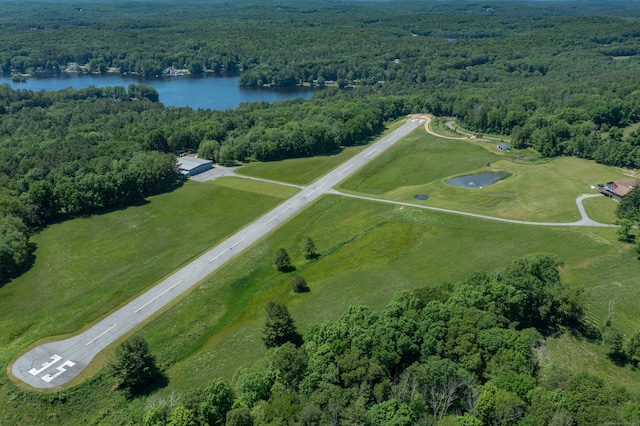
(191, 166)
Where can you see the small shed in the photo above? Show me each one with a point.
(504, 147)
(191, 166)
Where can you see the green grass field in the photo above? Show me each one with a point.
(303, 171)
(493, 135)
(367, 255)
(298, 171)
(86, 267)
(601, 209)
(543, 192)
(631, 128)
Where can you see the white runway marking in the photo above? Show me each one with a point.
(315, 190)
(45, 365)
(236, 243)
(229, 248)
(100, 335)
(370, 152)
(347, 168)
(218, 255)
(48, 377)
(150, 301)
(276, 216)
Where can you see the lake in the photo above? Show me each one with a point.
(197, 92)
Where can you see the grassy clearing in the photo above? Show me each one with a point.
(536, 191)
(630, 129)
(303, 171)
(580, 355)
(419, 158)
(367, 256)
(493, 135)
(298, 171)
(88, 266)
(601, 209)
(439, 126)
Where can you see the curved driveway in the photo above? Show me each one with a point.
(56, 363)
(584, 220)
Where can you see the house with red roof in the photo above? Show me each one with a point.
(618, 189)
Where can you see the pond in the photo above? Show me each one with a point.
(479, 180)
(197, 92)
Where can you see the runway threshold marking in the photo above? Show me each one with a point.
(61, 369)
(45, 365)
(276, 216)
(150, 301)
(99, 335)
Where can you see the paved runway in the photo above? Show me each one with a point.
(56, 363)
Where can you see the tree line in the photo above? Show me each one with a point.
(58, 159)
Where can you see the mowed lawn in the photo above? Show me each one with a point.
(541, 191)
(303, 171)
(601, 209)
(88, 266)
(369, 251)
(298, 171)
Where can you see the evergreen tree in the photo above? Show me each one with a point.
(283, 261)
(279, 327)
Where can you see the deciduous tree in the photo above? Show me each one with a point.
(309, 248)
(134, 366)
(299, 284)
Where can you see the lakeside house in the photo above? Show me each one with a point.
(618, 189)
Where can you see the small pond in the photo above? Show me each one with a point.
(479, 180)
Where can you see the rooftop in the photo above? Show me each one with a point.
(190, 163)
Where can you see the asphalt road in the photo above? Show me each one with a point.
(56, 363)
(583, 221)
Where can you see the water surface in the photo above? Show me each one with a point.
(479, 180)
(197, 92)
